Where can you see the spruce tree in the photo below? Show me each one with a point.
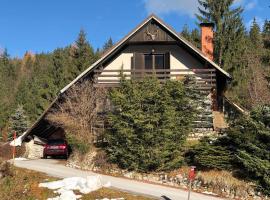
(149, 123)
(229, 30)
(266, 34)
(185, 32)
(107, 45)
(84, 54)
(266, 44)
(18, 121)
(193, 36)
(255, 35)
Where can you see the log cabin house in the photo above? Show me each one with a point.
(153, 46)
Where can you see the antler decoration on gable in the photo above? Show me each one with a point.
(153, 36)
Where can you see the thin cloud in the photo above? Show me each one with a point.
(181, 7)
(247, 4)
(186, 7)
(251, 5)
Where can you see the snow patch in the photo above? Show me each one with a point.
(66, 186)
(20, 159)
(18, 141)
(209, 193)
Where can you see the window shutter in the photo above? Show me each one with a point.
(167, 60)
(138, 59)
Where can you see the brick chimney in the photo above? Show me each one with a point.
(207, 36)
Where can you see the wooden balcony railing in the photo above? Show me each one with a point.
(205, 78)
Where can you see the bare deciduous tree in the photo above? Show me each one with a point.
(258, 88)
(78, 112)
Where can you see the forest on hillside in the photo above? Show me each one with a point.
(30, 84)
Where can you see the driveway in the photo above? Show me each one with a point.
(54, 168)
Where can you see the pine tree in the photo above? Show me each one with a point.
(149, 124)
(196, 38)
(255, 35)
(193, 36)
(185, 32)
(266, 44)
(108, 45)
(84, 54)
(18, 121)
(229, 30)
(266, 34)
(4, 56)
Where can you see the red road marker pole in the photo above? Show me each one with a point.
(191, 177)
(14, 147)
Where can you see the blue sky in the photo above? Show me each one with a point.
(43, 25)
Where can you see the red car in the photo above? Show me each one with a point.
(57, 147)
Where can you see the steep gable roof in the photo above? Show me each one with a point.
(132, 33)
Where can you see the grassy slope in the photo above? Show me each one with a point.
(23, 185)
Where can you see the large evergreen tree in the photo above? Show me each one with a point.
(192, 36)
(8, 79)
(18, 121)
(107, 45)
(255, 36)
(266, 34)
(149, 124)
(244, 149)
(229, 30)
(83, 53)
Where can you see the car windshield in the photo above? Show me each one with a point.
(56, 142)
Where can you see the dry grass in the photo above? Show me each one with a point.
(222, 181)
(23, 185)
(109, 193)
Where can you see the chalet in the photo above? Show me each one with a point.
(153, 46)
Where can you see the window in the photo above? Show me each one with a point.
(150, 62)
(159, 61)
(154, 61)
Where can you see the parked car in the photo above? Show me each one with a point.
(56, 147)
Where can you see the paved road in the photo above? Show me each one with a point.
(53, 168)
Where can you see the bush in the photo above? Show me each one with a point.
(245, 149)
(76, 144)
(149, 124)
(5, 169)
(208, 156)
(262, 114)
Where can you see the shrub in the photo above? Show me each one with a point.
(149, 124)
(245, 149)
(76, 144)
(5, 169)
(207, 156)
(262, 114)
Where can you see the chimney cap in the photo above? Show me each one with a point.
(207, 24)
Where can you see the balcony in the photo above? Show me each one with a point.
(205, 78)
